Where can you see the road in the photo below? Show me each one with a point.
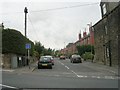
(63, 75)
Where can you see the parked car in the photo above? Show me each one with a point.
(62, 57)
(44, 62)
(75, 58)
(51, 58)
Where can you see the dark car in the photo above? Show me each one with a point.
(76, 59)
(44, 62)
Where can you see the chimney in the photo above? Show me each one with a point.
(84, 34)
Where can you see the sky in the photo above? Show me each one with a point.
(54, 23)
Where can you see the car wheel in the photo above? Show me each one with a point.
(50, 67)
(80, 61)
(39, 67)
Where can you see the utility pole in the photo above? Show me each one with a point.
(25, 11)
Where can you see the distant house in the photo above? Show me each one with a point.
(87, 39)
(106, 34)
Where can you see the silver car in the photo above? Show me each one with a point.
(75, 59)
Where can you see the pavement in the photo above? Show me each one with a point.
(23, 69)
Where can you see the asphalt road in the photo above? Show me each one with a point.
(63, 75)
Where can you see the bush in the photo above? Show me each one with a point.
(85, 48)
(87, 56)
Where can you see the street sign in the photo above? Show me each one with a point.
(28, 46)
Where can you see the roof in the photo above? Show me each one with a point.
(107, 15)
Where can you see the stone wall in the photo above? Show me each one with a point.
(0, 60)
(106, 37)
(99, 41)
(19, 61)
(6, 60)
(113, 26)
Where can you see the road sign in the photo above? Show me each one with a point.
(28, 46)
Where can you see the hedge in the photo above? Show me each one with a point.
(14, 42)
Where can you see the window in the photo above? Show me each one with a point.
(106, 30)
(104, 8)
(107, 52)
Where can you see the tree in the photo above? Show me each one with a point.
(85, 48)
(48, 51)
(38, 48)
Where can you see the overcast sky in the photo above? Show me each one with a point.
(55, 23)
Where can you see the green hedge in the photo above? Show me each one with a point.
(14, 42)
(85, 48)
(88, 56)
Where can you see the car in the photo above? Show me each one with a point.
(51, 58)
(75, 59)
(44, 62)
(62, 57)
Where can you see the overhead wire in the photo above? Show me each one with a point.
(67, 7)
(33, 27)
(54, 9)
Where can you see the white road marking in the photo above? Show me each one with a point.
(109, 77)
(67, 67)
(82, 76)
(98, 76)
(60, 62)
(7, 86)
(93, 76)
(57, 75)
(75, 73)
(66, 73)
(6, 70)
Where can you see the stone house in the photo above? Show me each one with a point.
(106, 34)
(13, 54)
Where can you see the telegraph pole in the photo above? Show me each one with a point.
(27, 45)
(25, 11)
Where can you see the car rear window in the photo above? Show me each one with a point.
(44, 59)
(74, 56)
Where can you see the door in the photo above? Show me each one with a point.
(14, 62)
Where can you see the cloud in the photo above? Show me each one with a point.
(51, 28)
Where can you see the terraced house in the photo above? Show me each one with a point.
(106, 33)
(87, 39)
